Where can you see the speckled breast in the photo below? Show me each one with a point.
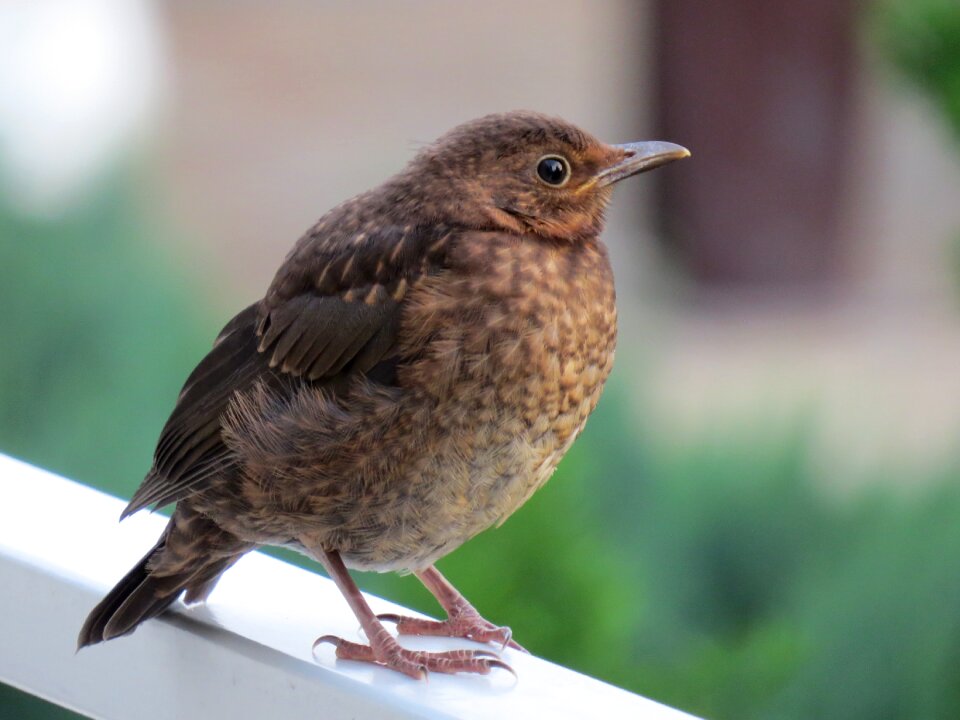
(516, 348)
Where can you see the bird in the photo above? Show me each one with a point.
(421, 361)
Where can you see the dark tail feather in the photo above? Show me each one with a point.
(191, 555)
(133, 600)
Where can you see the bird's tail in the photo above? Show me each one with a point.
(191, 555)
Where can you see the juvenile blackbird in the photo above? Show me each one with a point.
(424, 357)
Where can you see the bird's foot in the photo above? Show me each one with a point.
(387, 652)
(464, 622)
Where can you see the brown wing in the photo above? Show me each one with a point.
(332, 312)
(315, 336)
(190, 449)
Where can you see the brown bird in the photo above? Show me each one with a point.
(424, 357)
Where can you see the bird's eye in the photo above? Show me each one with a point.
(553, 170)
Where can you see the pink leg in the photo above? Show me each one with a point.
(463, 620)
(384, 649)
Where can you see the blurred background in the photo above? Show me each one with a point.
(762, 519)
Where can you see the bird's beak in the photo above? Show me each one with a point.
(640, 157)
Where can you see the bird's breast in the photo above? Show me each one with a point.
(515, 344)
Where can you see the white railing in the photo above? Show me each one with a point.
(245, 654)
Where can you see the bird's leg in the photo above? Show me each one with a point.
(384, 648)
(463, 620)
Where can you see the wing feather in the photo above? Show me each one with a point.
(331, 313)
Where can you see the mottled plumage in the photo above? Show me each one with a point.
(424, 357)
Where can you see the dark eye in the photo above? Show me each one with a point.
(553, 170)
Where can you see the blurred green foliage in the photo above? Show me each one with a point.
(922, 39)
(100, 327)
(719, 576)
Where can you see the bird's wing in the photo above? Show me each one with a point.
(190, 450)
(332, 312)
(333, 307)
(315, 336)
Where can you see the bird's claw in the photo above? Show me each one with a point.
(416, 663)
(466, 625)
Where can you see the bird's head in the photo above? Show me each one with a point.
(525, 172)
